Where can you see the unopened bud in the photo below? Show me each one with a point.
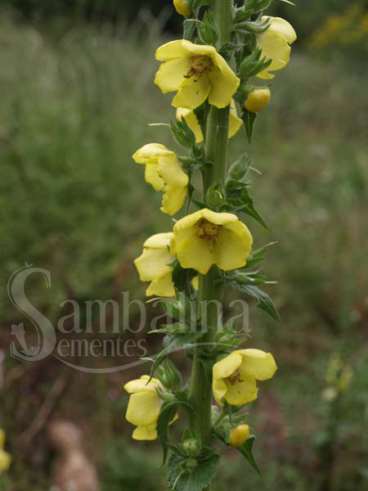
(257, 100)
(191, 447)
(182, 7)
(214, 197)
(239, 435)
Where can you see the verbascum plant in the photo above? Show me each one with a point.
(214, 75)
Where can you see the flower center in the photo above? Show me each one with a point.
(199, 65)
(207, 230)
(234, 378)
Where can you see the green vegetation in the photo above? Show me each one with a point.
(72, 201)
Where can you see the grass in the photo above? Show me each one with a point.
(77, 106)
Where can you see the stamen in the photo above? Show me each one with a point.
(234, 378)
(207, 230)
(199, 65)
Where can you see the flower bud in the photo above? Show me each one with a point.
(239, 435)
(191, 447)
(182, 7)
(257, 100)
(214, 197)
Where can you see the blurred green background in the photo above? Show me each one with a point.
(76, 100)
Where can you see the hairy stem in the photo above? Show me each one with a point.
(210, 293)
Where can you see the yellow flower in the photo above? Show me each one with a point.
(195, 72)
(164, 172)
(239, 435)
(257, 100)
(144, 407)
(154, 265)
(235, 123)
(182, 7)
(275, 45)
(5, 458)
(206, 238)
(235, 377)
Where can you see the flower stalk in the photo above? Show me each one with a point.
(210, 294)
(214, 72)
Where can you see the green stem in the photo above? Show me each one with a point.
(216, 147)
(223, 12)
(218, 119)
(201, 381)
(210, 294)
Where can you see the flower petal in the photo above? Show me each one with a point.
(162, 287)
(265, 75)
(172, 172)
(218, 218)
(224, 83)
(152, 176)
(171, 74)
(192, 93)
(187, 222)
(176, 183)
(143, 408)
(153, 263)
(179, 48)
(219, 389)
(149, 154)
(274, 47)
(193, 252)
(145, 433)
(143, 384)
(173, 199)
(227, 366)
(159, 241)
(192, 121)
(242, 392)
(257, 364)
(283, 27)
(233, 246)
(235, 122)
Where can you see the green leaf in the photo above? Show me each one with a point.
(238, 200)
(168, 412)
(169, 375)
(247, 451)
(189, 474)
(160, 357)
(173, 329)
(258, 255)
(190, 27)
(239, 169)
(174, 308)
(182, 133)
(182, 278)
(206, 29)
(264, 301)
(288, 2)
(256, 27)
(249, 120)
